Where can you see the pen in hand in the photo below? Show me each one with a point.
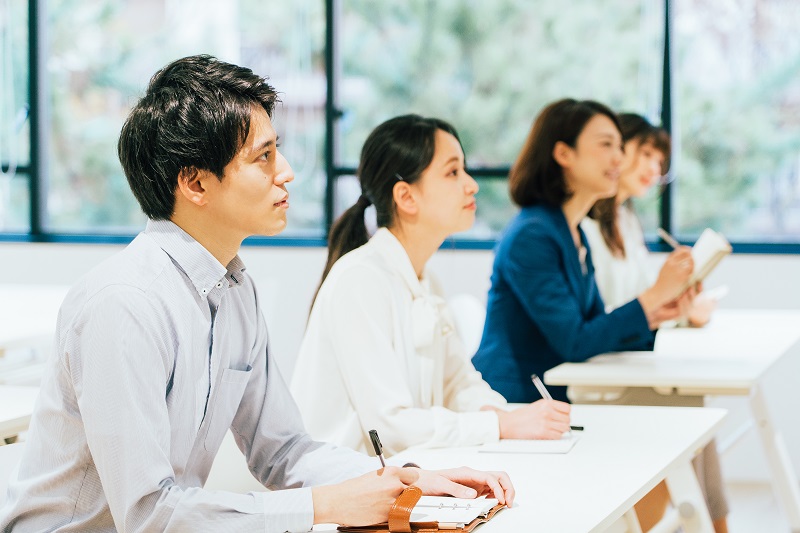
(546, 395)
(376, 443)
(669, 239)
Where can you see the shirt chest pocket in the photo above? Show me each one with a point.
(225, 404)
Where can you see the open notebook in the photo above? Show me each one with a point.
(451, 513)
(436, 513)
(562, 445)
(707, 252)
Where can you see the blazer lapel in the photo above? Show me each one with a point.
(570, 255)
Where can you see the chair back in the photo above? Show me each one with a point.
(469, 314)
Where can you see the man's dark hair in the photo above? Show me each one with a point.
(194, 116)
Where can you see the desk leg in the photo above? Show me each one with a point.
(783, 478)
(688, 499)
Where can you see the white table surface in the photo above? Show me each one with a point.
(623, 453)
(28, 314)
(730, 356)
(726, 357)
(16, 407)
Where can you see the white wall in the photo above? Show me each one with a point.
(287, 278)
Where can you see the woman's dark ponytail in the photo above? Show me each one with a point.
(347, 233)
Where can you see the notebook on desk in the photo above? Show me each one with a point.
(562, 445)
(450, 513)
(424, 514)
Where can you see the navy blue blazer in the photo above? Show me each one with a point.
(543, 309)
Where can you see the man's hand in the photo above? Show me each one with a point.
(543, 419)
(466, 482)
(367, 499)
(363, 500)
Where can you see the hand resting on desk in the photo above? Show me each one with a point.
(367, 499)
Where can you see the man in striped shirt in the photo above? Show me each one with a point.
(163, 348)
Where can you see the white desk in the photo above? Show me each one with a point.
(16, 408)
(624, 453)
(728, 357)
(28, 314)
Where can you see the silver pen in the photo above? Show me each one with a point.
(546, 395)
(669, 239)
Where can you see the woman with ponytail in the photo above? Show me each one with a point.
(380, 350)
(613, 230)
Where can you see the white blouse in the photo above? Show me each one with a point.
(381, 352)
(619, 279)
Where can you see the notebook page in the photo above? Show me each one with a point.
(447, 510)
(562, 445)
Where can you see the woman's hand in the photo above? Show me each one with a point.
(543, 419)
(663, 301)
(700, 311)
(674, 274)
(672, 310)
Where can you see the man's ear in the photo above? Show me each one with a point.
(563, 154)
(404, 198)
(190, 185)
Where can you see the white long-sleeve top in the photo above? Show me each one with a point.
(619, 279)
(380, 352)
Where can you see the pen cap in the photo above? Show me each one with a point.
(376, 442)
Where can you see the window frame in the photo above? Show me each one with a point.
(36, 170)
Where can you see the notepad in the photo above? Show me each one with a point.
(562, 445)
(707, 252)
(450, 512)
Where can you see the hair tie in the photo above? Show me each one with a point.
(364, 201)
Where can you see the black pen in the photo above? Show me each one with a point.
(376, 443)
(546, 395)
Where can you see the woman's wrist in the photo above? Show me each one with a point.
(649, 300)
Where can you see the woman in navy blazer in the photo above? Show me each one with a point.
(544, 307)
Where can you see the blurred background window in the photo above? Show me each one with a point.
(100, 56)
(489, 68)
(486, 67)
(736, 92)
(14, 124)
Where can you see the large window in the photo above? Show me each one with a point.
(14, 124)
(99, 57)
(737, 94)
(729, 93)
(488, 68)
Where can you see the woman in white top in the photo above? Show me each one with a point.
(613, 230)
(380, 350)
(619, 255)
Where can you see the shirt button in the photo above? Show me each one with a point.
(204, 291)
(219, 285)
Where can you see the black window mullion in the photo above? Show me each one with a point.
(332, 113)
(38, 131)
(666, 114)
